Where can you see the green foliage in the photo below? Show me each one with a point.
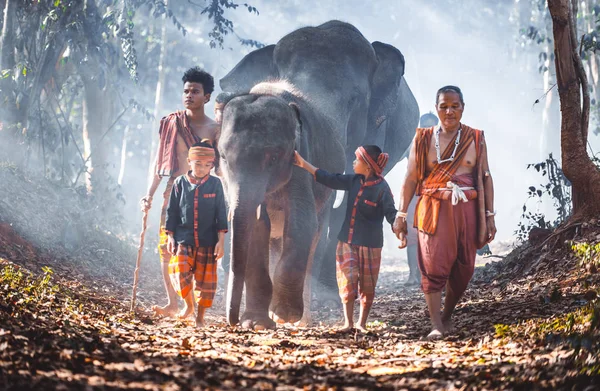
(557, 187)
(578, 329)
(25, 288)
(223, 26)
(588, 254)
(502, 330)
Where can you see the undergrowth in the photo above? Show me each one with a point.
(577, 330)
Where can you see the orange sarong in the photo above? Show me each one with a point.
(447, 258)
(426, 216)
(447, 230)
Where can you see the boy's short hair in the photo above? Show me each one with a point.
(373, 150)
(198, 75)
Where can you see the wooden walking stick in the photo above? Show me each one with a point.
(139, 259)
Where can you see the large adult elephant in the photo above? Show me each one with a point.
(277, 210)
(358, 86)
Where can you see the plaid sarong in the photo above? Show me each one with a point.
(357, 270)
(194, 264)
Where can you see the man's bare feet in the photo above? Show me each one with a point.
(168, 310)
(448, 326)
(186, 312)
(435, 335)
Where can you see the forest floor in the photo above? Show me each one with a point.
(529, 321)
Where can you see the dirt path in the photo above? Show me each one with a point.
(528, 322)
(76, 338)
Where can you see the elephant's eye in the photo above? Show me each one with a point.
(272, 160)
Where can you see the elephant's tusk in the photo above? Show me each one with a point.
(258, 209)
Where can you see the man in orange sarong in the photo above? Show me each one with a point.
(178, 132)
(448, 169)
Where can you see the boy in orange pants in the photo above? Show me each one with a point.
(196, 223)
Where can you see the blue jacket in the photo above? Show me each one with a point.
(196, 211)
(368, 203)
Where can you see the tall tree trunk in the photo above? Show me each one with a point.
(94, 125)
(592, 62)
(159, 95)
(7, 41)
(7, 61)
(572, 87)
(550, 138)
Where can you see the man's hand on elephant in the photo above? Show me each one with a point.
(146, 203)
(219, 250)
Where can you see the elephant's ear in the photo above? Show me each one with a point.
(299, 139)
(389, 72)
(256, 67)
(393, 109)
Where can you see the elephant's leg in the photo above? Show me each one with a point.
(259, 288)
(308, 281)
(290, 272)
(327, 279)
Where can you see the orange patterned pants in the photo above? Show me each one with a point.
(194, 267)
(357, 270)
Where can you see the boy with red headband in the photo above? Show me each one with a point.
(196, 224)
(358, 254)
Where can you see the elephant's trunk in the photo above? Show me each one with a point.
(242, 224)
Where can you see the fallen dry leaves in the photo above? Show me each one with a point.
(72, 330)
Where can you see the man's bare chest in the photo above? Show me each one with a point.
(202, 131)
(467, 161)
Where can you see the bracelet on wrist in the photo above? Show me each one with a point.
(489, 213)
(401, 215)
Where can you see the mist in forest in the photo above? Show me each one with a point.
(443, 42)
(476, 45)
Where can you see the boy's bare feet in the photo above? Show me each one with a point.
(168, 310)
(345, 328)
(186, 312)
(362, 328)
(200, 318)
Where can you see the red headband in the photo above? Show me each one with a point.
(201, 153)
(378, 166)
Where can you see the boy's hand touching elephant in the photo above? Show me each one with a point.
(300, 162)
